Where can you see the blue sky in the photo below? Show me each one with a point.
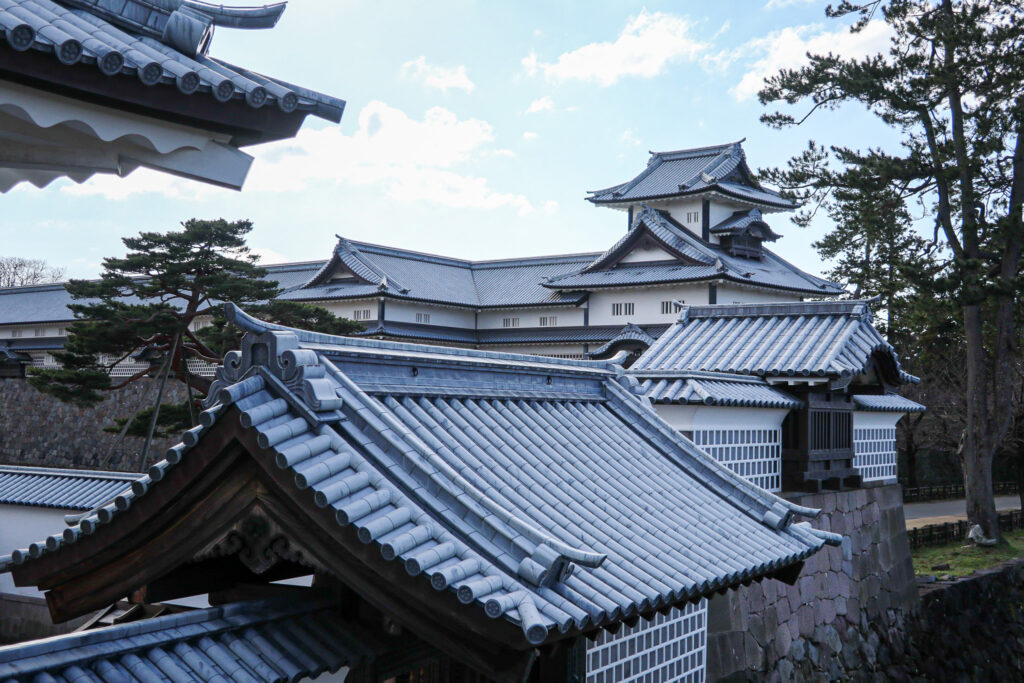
(472, 129)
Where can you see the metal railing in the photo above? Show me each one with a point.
(923, 493)
(956, 532)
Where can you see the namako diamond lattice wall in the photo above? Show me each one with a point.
(668, 648)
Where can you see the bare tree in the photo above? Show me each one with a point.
(15, 272)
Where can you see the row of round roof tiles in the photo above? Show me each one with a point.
(76, 36)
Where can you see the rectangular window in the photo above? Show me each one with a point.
(40, 331)
(16, 333)
(510, 322)
(423, 318)
(668, 307)
(548, 320)
(623, 309)
(693, 216)
(361, 314)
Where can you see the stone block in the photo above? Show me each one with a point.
(783, 640)
(756, 628)
(753, 653)
(782, 609)
(832, 640)
(807, 588)
(805, 619)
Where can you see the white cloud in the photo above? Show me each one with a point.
(778, 4)
(439, 77)
(503, 153)
(529, 135)
(269, 256)
(543, 104)
(550, 206)
(630, 138)
(788, 48)
(648, 43)
(409, 159)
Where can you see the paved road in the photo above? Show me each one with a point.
(936, 512)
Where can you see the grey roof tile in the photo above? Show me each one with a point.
(887, 403)
(719, 168)
(269, 640)
(809, 339)
(510, 486)
(142, 41)
(700, 261)
(714, 389)
(60, 488)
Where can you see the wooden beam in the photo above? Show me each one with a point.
(246, 125)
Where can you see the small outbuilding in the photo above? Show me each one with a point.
(795, 396)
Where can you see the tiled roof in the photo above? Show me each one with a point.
(629, 332)
(267, 641)
(541, 491)
(715, 389)
(887, 403)
(701, 261)
(811, 339)
(60, 488)
(741, 221)
(720, 168)
(156, 44)
(516, 335)
(404, 274)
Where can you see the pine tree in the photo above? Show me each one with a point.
(950, 87)
(148, 301)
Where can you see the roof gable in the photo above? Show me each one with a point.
(655, 229)
(719, 168)
(749, 222)
(484, 475)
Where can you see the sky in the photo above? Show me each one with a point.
(473, 129)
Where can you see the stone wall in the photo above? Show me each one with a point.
(36, 429)
(26, 618)
(968, 630)
(829, 625)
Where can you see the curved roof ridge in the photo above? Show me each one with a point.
(700, 151)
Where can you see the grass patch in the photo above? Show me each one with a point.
(964, 561)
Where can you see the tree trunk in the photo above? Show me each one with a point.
(1018, 471)
(979, 444)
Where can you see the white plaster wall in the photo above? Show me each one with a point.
(644, 255)
(21, 525)
(448, 317)
(30, 331)
(720, 210)
(647, 304)
(346, 309)
(678, 211)
(728, 294)
(691, 417)
(530, 317)
(873, 420)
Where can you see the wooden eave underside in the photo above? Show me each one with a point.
(215, 486)
(245, 124)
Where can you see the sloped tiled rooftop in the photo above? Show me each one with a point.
(541, 491)
(719, 168)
